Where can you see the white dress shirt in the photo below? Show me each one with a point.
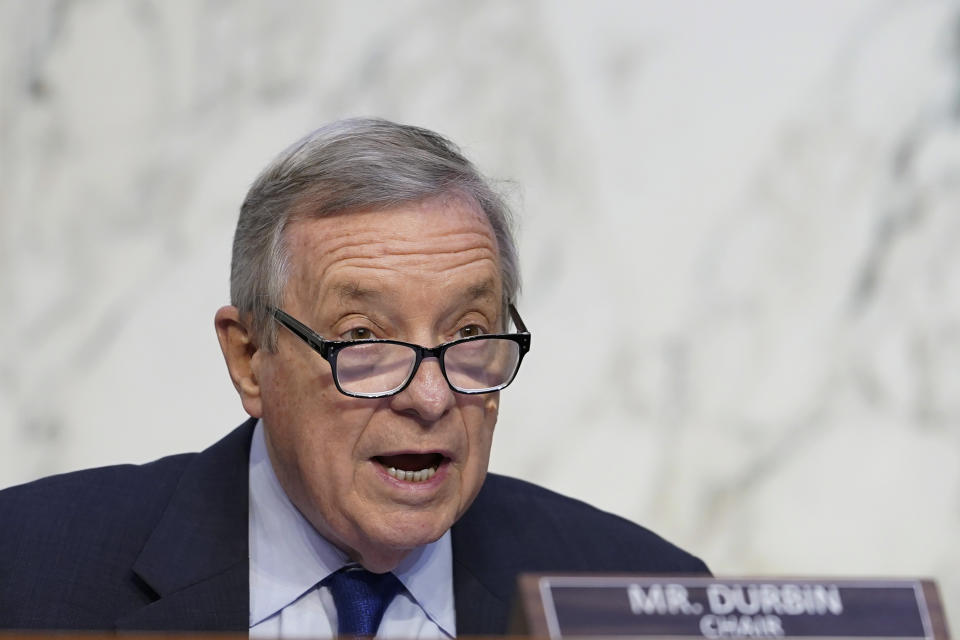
(288, 558)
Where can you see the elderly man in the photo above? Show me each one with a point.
(373, 326)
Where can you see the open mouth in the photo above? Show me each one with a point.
(412, 467)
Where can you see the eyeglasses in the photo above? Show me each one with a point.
(380, 368)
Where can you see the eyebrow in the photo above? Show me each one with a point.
(484, 290)
(352, 291)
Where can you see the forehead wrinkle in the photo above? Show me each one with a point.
(399, 262)
(372, 288)
(438, 243)
(376, 245)
(349, 242)
(380, 263)
(366, 279)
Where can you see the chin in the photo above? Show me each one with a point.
(403, 533)
(385, 554)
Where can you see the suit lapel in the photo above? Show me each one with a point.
(195, 565)
(196, 561)
(480, 612)
(484, 571)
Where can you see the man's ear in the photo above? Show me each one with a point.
(241, 352)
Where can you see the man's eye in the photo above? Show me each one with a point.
(358, 333)
(471, 330)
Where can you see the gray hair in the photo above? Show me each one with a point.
(353, 164)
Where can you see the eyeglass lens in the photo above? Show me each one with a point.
(474, 365)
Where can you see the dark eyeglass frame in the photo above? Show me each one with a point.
(329, 349)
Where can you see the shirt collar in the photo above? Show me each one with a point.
(288, 557)
(427, 573)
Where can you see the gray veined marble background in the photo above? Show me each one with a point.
(749, 210)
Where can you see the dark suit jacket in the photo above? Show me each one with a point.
(163, 546)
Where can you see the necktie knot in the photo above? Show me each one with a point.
(361, 598)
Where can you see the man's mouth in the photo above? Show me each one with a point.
(412, 467)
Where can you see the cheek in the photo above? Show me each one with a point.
(480, 420)
(313, 429)
(316, 458)
(298, 391)
(323, 432)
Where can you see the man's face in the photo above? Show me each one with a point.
(426, 272)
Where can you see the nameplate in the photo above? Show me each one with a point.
(566, 606)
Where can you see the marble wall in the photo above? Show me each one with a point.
(748, 210)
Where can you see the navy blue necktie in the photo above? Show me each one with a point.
(361, 598)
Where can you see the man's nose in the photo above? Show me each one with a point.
(428, 396)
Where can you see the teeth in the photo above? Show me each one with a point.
(412, 476)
